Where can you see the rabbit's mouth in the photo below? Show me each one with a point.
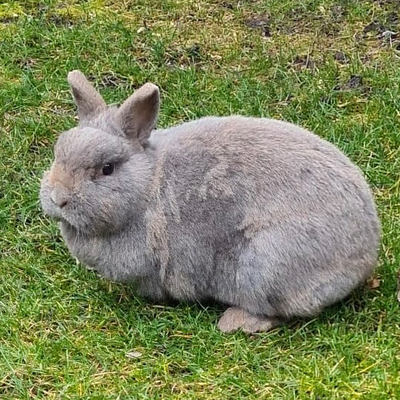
(70, 224)
(70, 230)
(58, 215)
(77, 224)
(57, 218)
(66, 223)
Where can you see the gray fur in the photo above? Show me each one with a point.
(258, 214)
(87, 98)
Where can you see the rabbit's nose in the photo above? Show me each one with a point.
(59, 198)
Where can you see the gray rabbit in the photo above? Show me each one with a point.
(260, 215)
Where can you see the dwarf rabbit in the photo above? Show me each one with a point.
(260, 215)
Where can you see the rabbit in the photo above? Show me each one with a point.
(259, 215)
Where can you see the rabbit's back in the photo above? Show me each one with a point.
(262, 214)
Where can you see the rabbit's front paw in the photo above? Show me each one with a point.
(235, 318)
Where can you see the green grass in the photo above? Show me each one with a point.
(64, 332)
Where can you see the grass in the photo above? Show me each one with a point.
(324, 64)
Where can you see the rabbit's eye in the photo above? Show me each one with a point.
(108, 169)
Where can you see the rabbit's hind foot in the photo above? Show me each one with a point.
(235, 318)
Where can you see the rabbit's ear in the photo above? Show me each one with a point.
(138, 114)
(87, 98)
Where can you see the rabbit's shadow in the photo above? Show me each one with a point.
(124, 298)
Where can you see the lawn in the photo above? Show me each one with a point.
(330, 66)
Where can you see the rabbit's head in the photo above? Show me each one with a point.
(100, 173)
